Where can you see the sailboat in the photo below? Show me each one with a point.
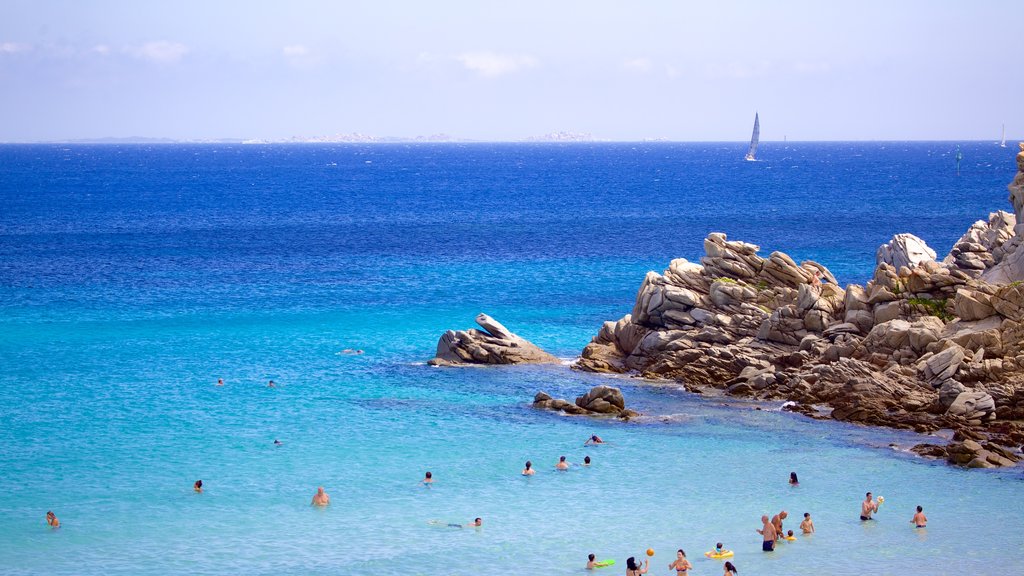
(754, 138)
(1002, 143)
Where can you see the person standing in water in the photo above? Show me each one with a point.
(562, 464)
(586, 461)
(321, 498)
(198, 487)
(920, 520)
(51, 520)
(793, 480)
(528, 471)
(428, 479)
(768, 532)
(634, 569)
(730, 570)
(807, 525)
(867, 507)
(681, 564)
(777, 523)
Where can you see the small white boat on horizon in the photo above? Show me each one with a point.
(1002, 141)
(754, 139)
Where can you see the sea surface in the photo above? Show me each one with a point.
(133, 277)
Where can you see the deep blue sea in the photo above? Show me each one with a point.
(133, 277)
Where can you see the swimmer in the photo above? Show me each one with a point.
(586, 461)
(920, 520)
(198, 486)
(681, 564)
(634, 569)
(278, 442)
(220, 381)
(867, 507)
(793, 479)
(807, 525)
(270, 384)
(477, 522)
(320, 498)
(768, 532)
(595, 439)
(590, 562)
(730, 570)
(528, 471)
(777, 523)
(428, 479)
(562, 464)
(51, 520)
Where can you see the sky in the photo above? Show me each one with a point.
(678, 70)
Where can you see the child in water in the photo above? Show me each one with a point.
(789, 535)
(807, 525)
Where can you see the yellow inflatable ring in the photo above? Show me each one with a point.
(724, 554)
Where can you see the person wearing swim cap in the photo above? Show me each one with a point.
(867, 507)
(920, 520)
(768, 532)
(321, 498)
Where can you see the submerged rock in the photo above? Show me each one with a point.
(495, 344)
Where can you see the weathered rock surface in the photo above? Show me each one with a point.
(923, 345)
(600, 400)
(495, 344)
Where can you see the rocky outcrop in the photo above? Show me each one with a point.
(599, 401)
(495, 344)
(923, 345)
(1009, 260)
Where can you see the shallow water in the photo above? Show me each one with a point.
(131, 278)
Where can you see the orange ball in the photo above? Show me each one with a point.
(650, 551)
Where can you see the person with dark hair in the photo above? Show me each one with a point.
(590, 562)
(477, 522)
(867, 507)
(595, 439)
(681, 564)
(920, 520)
(730, 570)
(807, 525)
(793, 480)
(768, 532)
(562, 464)
(586, 461)
(428, 479)
(634, 569)
(51, 519)
(198, 486)
(528, 471)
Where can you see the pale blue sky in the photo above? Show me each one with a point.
(891, 70)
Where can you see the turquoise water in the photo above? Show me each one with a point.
(133, 277)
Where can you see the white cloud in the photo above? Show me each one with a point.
(160, 51)
(491, 65)
(101, 49)
(639, 64)
(14, 47)
(671, 71)
(295, 50)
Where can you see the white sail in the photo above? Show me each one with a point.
(1002, 142)
(754, 139)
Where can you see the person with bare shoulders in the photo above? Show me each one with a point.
(198, 487)
(768, 532)
(220, 381)
(591, 563)
(867, 507)
(477, 522)
(321, 498)
(777, 523)
(528, 471)
(562, 464)
(807, 525)
(586, 460)
(681, 564)
(271, 384)
(920, 520)
(793, 480)
(428, 479)
(634, 569)
(595, 439)
(730, 570)
(51, 519)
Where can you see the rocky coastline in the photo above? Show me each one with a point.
(924, 345)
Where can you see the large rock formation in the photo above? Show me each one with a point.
(1009, 265)
(923, 345)
(495, 344)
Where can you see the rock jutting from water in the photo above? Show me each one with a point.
(924, 345)
(495, 344)
(599, 401)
